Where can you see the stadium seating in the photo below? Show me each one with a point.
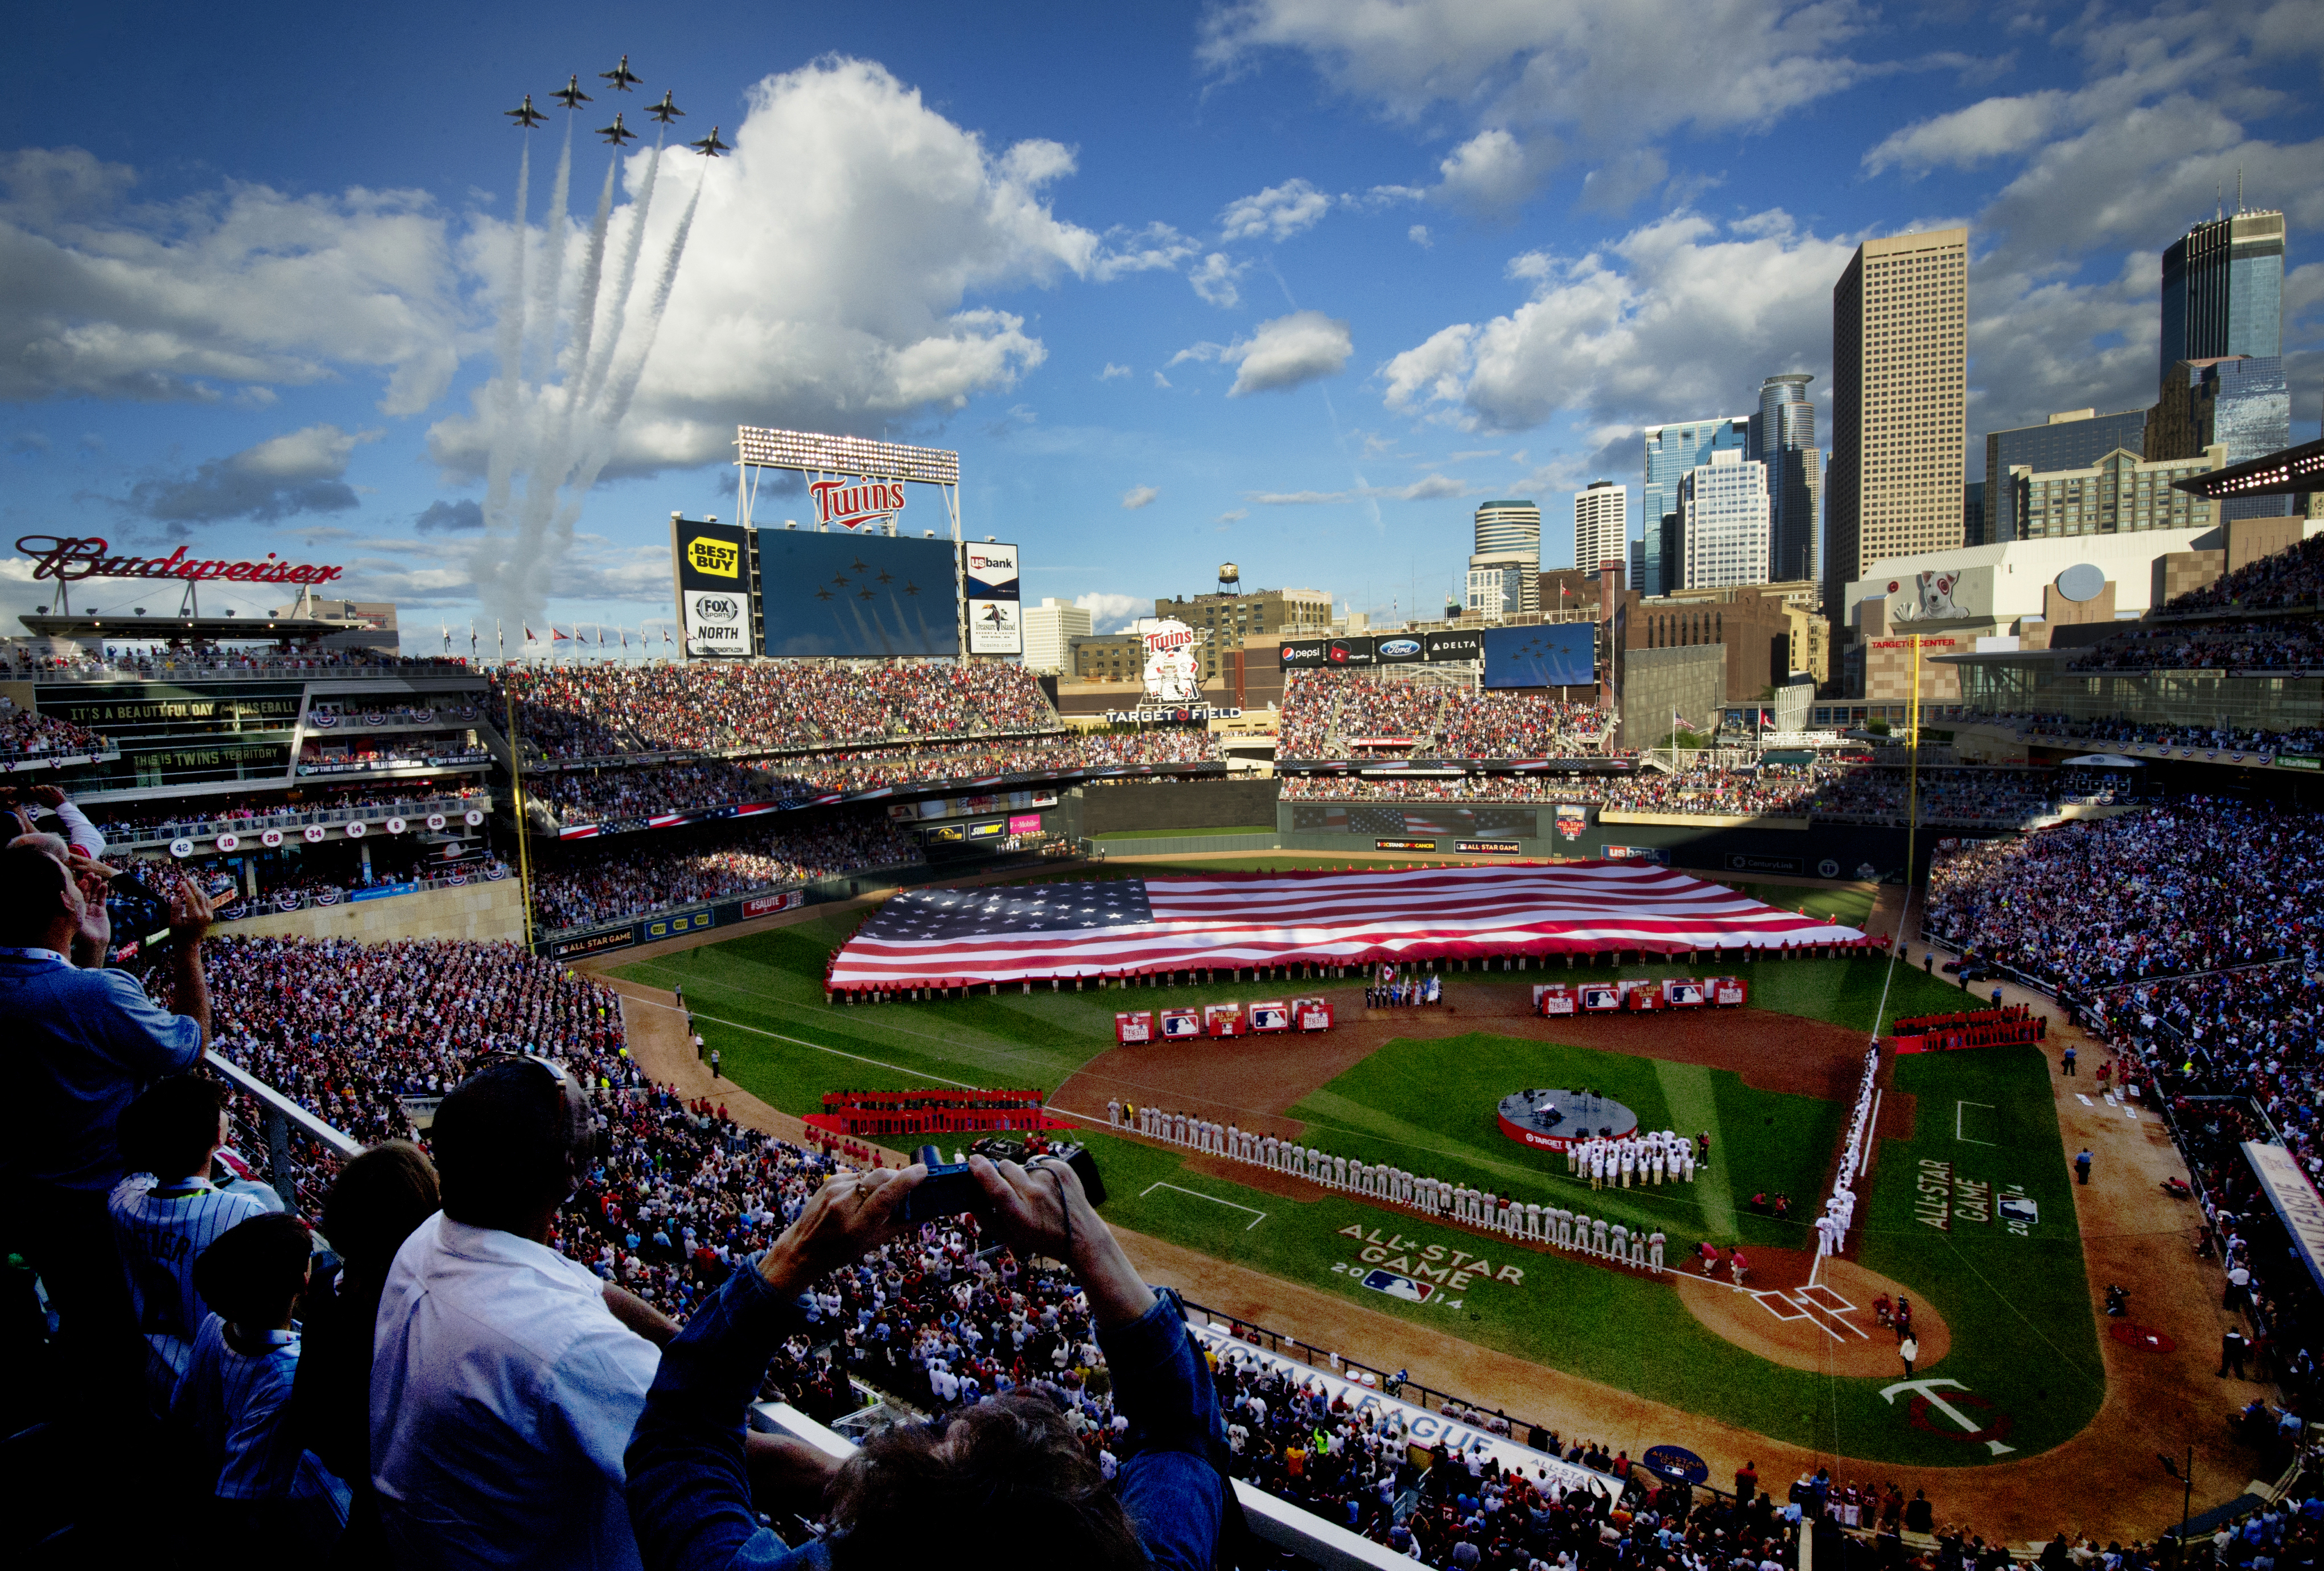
(26, 734)
(605, 883)
(1847, 794)
(2287, 578)
(2280, 644)
(1325, 711)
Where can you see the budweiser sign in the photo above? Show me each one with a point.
(853, 503)
(69, 559)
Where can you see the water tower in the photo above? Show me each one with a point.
(1229, 578)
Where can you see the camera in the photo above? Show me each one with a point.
(950, 1189)
(140, 918)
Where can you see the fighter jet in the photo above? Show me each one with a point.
(617, 132)
(664, 111)
(621, 76)
(525, 114)
(709, 146)
(570, 93)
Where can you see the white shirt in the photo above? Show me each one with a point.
(502, 1395)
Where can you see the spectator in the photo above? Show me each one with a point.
(506, 1378)
(1006, 1471)
(232, 1402)
(167, 1211)
(82, 1041)
(380, 1199)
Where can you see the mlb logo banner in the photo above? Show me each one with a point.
(1729, 992)
(1398, 1286)
(1223, 1020)
(1269, 1017)
(1599, 998)
(1181, 1022)
(1314, 1014)
(1683, 993)
(2019, 1208)
(1134, 1026)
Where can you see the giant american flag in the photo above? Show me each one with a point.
(1029, 932)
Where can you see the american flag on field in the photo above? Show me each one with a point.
(949, 937)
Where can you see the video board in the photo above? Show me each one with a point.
(1562, 654)
(856, 597)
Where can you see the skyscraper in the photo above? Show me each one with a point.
(2069, 440)
(2242, 402)
(2223, 289)
(1602, 524)
(1782, 437)
(1508, 539)
(1899, 346)
(1671, 451)
(1725, 519)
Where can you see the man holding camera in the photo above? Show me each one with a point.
(85, 1039)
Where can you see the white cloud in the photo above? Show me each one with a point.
(1112, 371)
(1676, 314)
(240, 289)
(1603, 75)
(1418, 235)
(1111, 613)
(1160, 379)
(301, 471)
(1276, 213)
(1233, 515)
(1429, 489)
(1283, 353)
(827, 278)
(1138, 496)
(1156, 246)
(1215, 279)
(1990, 129)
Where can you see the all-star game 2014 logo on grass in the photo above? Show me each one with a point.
(1415, 1271)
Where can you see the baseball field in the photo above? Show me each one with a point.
(2009, 1363)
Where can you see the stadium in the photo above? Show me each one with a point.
(1613, 1129)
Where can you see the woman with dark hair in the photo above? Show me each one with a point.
(380, 1198)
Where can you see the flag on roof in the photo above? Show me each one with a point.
(951, 937)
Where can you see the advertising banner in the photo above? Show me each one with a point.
(1349, 652)
(1729, 992)
(1572, 817)
(1313, 1014)
(1454, 646)
(2295, 1200)
(1024, 823)
(1403, 844)
(1553, 998)
(1174, 672)
(1223, 1020)
(1600, 998)
(714, 588)
(994, 623)
(1636, 854)
(1297, 653)
(767, 905)
(1134, 1026)
(1181, 1022)
(1489, 847)
(1399, 649)
(1269, 1017)
(595, 944)
(1560, 654)
(859, 597)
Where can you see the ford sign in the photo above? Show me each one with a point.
(1399, 648)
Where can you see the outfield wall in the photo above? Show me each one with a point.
(1223, 804)
(1731, 846)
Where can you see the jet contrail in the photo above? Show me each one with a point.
(560, 399)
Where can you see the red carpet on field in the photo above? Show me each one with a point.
(1136, 926)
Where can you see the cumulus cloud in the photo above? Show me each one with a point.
(1156, 246)
(1603, 75)
(1160, 379)
(1282, 352)
(1233, 515)
(1138, 496)
(1418, 235)
(301, 471)
(1276, 213)
(1215, 279)
(830, 275)
(1111, 613)
(449, 517)
(1112, 371)
(243, 289)
(1678, 314)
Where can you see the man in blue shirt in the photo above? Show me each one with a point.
(84, 1039)
(1007, 1470)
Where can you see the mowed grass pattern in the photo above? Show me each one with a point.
(759, 1000)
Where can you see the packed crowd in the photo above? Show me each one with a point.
(200, 659)
(1846, 794)
(219, 816)
(29, 734)
(2211, 738)
(638, 791)
(2275, 583)
(601, 711)
(1325, 710)
(2191, 937)
(2282, 644)
(610, 882)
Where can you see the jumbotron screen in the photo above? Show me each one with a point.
(855, 596)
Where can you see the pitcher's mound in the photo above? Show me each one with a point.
(1830, 1327)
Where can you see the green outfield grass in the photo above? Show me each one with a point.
(2023, 1333)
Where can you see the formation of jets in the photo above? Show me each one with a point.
(709, 146)
(617, 132)
(623, 78)
(664, 111)
(525, 114)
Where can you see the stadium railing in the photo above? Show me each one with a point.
(294, 818)
(280, 1118)
(1278, 1523)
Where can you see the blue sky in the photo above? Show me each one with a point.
(1294, 283)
